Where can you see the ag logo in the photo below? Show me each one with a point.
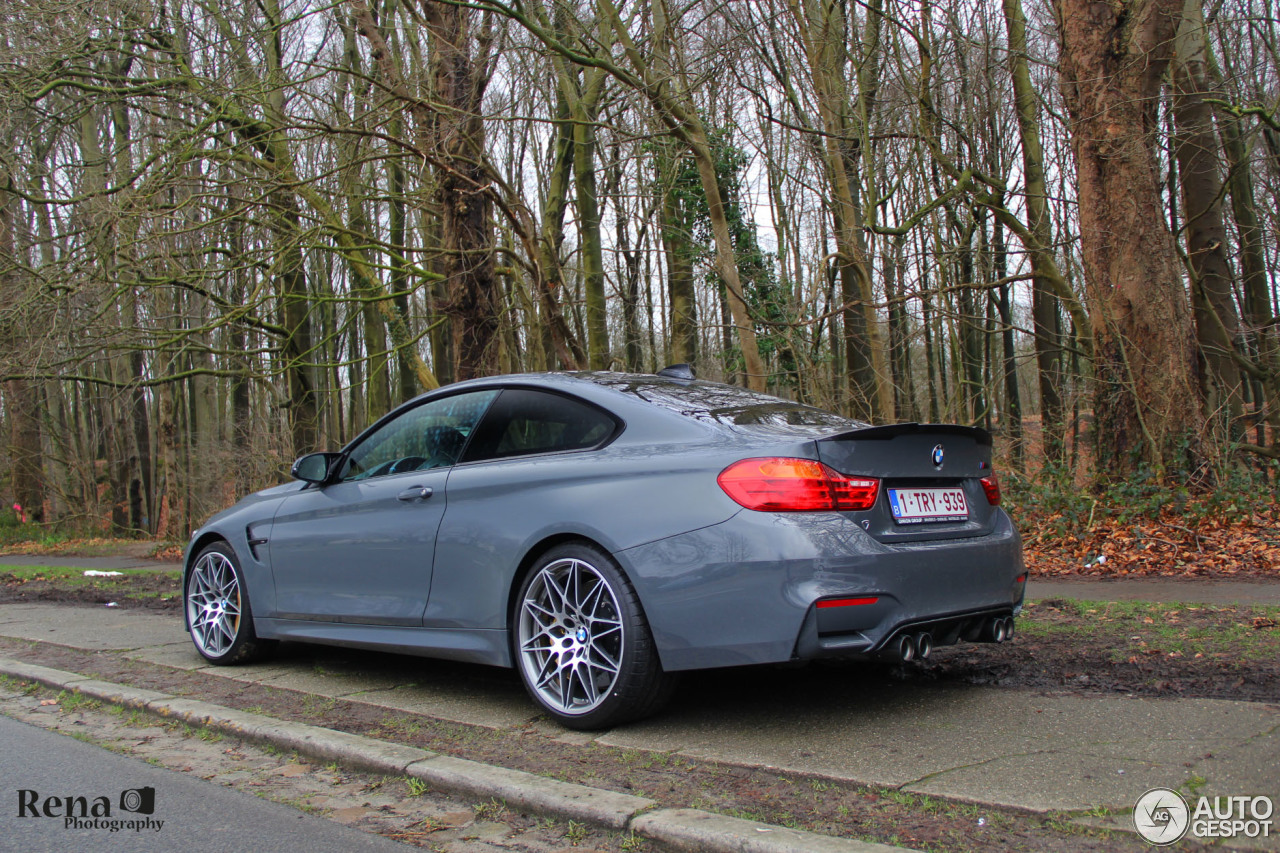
(1161, 816)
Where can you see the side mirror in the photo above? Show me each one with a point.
(314, 467)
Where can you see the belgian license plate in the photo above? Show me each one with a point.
(918, 506)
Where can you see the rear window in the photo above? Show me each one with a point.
(726, 404)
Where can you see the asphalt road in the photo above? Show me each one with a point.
(190, 814)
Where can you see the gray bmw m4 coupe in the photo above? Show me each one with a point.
(602, 532)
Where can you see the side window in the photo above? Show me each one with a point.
(523, 422)
(428, 436)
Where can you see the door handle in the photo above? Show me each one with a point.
(416, 493)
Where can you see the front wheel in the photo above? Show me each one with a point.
(583, 647)
(218, 611)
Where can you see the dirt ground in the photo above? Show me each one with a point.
(1218, 652)
(157, 591)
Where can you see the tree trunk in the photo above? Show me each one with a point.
(1199, 167)
(823, 30)
(21, 397)
(904, 397)
(1147, 404)
(1044, 307)
(563, 344)
(584, 182)
(677, 248)
(1012, 415)
(1253, 268)
(457, 139)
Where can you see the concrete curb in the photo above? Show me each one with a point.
(531, 792)
(695, 830)
(683, 829)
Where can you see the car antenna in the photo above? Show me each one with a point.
(678, 371)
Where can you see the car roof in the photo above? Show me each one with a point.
(715, 404)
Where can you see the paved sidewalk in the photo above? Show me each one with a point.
(100, 563)
(1207, 591)
(987, 745)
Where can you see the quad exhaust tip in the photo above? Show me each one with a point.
(999, 629)
(909, 647)
(919, 646)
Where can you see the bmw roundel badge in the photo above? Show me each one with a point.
(937, 455)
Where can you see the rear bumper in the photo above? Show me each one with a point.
(744, 591)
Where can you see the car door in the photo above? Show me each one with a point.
(361, 547)
(528, 461)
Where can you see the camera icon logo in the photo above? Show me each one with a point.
(1161, 816)
(138, 800)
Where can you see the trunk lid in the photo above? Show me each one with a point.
(919, 466)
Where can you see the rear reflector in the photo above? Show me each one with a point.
(780, 484)
(991, 486)
(1022, 578)
(846, 602)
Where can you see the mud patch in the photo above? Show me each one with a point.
(159, 591)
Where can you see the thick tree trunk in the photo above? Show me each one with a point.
(678, 251)
(1147, 403)
(1199, 167)
(21, 397)
(629, 273)
(457, 139)
(297, 350)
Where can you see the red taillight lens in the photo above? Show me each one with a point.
(847, 602)
(991, 486)
(795, 485)
(854, 492)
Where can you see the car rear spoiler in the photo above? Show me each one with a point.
(889, 431)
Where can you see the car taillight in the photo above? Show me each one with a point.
(780, 484)
(991, 486)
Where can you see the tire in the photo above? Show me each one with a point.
(582, 644)
(219, 617)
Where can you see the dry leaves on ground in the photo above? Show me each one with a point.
(1174, 545)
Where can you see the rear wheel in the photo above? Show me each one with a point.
(583, 647)
(218, 611)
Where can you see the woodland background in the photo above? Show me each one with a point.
(233, 233)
